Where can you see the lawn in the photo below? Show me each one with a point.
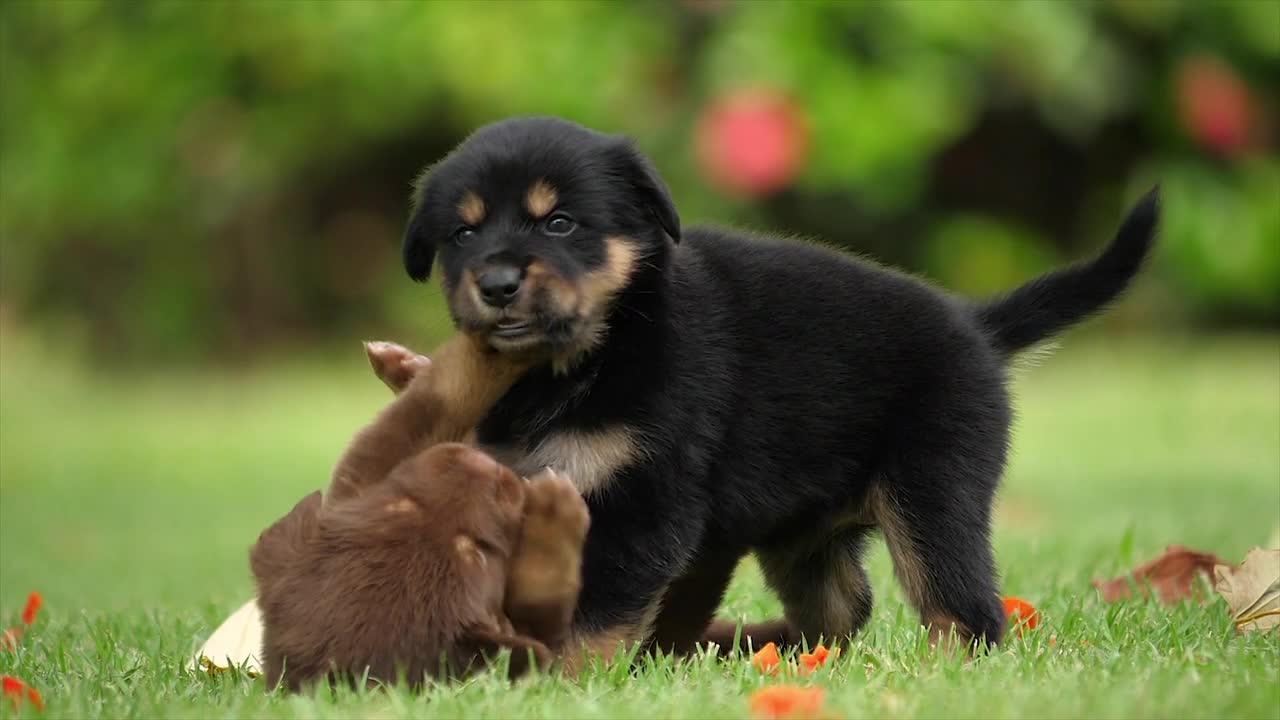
(131, 503)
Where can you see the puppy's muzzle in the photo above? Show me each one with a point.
(500, 286)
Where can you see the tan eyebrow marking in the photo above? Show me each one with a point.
(541, 199)
(403, 505)
(471, 208)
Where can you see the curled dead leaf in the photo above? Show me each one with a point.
(1172, 577)
(1252, 590)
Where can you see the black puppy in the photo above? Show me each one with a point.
(714, 393)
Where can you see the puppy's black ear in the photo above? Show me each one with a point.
(649, 186)
(419, 249)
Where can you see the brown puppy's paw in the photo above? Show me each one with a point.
(395, 365)
(555, 507)
(546, 571)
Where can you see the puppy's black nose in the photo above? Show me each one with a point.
(499, 286)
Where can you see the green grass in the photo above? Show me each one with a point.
(131, 506)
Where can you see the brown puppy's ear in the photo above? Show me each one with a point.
(279, 545)
(649, 186)
(526, 653)
(419, 246)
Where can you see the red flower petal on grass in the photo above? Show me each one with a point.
(786, 701)
(34, 601)
(1022, 614)
(767, 660)
(18, 692)
(809, 662)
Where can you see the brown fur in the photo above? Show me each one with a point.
(471, 209)
(431, 566)
(541, 199)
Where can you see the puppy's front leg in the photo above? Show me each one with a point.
(443, 401)
(546, 568)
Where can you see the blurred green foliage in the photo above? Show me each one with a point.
(192, 178)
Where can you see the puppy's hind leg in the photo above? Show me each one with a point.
(823, 587)
(936, 521)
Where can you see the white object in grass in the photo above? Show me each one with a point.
(236, 643)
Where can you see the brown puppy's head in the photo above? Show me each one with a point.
(540, 226)
(392, 580)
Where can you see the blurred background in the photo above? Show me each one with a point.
(201, 206)
(192, 181)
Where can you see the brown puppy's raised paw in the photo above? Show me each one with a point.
(395, 365)
(546, 571)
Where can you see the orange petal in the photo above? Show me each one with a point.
(1022, 613)
(786, 701)
(767, 660)
(810, 662)
(34, 601)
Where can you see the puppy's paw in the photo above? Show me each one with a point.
(546, 570)
(554, 507)
(395, 365)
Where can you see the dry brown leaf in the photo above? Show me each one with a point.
(1172, 577)
(1252, 590)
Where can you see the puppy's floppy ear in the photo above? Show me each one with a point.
(419, 249)
(649, 186)
(279, 545)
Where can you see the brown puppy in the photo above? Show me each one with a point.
(428, 567)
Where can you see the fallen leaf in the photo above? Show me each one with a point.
(810, 662)
(1252, 590)
(34, 601)
(236, 643)
(1172, 577)
(767, 660)
(786, 701)
(19, 692)
(1021, 614)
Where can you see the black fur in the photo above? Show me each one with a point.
(781, 391)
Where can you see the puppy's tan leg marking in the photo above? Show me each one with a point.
(589, 459)
(821, 582)
(581, 647)
(541, 199)
(471, 208)
(910, 569)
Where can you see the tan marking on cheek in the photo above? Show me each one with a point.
(588, 459)
(600, 285)
(541, 199)
(403, 505)
(561, 292)
(471, 208)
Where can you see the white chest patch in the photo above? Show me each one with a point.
(589, 459)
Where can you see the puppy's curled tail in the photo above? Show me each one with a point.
(1057, 300)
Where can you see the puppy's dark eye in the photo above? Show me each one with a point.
(560, 224)
(463, 234)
